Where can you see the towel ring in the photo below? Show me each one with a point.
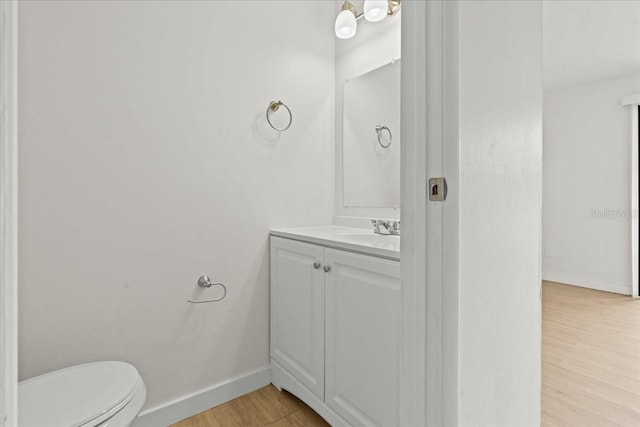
(379, 130)
(205, 282)
(275, 106)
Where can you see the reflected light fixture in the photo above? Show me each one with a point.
(374, 11)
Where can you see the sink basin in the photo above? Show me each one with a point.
(348, 238)
(370, 238)
(356, 233)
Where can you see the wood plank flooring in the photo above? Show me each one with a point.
(264, 407)
(590, 369)
(590, 358)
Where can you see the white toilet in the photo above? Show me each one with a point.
(101, 394)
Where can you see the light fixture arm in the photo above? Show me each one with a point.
(348, 6)
(351, 8)
(394, 7)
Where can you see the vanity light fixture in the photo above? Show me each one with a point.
(346, 25)
(374, 11)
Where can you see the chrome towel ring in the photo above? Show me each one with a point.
(205, 282)
(275, 106)
(379, 130)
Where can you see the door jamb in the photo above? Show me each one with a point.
(429, 368)
(8, 213)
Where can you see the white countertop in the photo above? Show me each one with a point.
(346, 238)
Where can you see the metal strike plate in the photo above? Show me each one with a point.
(437, 189)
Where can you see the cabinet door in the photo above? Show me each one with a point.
(362, 338)
(297, 311)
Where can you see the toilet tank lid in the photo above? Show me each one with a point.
(74, 396)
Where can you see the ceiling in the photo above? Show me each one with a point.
(587, 41)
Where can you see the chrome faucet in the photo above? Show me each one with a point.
(390, 228)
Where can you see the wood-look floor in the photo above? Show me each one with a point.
(590, 358)
(590, 369)
(264, 407)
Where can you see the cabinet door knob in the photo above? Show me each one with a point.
(326, 269)
(316, 265)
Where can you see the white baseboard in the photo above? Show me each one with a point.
(192, 404)
(585, 283)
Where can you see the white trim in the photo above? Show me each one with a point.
(633, 99)
(429, 246)
(8, 213)
(634, 200)
(194, 403)
(413, 243)
(568, 279)
(634, 195)
(450, 215)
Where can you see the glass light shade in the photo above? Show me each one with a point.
(375, 10)
(346, 25)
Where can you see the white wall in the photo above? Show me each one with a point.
(145, 161)
(586, 41)
(374, 45)
(586, 222)
(500, 101)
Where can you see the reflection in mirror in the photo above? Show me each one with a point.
(371, 138)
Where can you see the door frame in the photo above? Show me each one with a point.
(632, 102)
(429, 246)
(8, 213)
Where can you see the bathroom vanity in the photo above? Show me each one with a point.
(335, 322)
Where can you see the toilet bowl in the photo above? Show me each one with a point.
(101, 394)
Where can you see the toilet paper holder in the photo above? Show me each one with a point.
(205, 282)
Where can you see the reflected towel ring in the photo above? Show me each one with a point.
(205, 282)
(379, 130)
(275, 106)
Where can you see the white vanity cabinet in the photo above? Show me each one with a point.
(362, 338)
(297, 311)
(335, 331)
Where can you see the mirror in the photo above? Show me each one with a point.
(371, 138)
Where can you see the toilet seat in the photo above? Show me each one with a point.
(79, 396)
(110, 414)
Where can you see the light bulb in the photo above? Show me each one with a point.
(375, 10)
(346, 25)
